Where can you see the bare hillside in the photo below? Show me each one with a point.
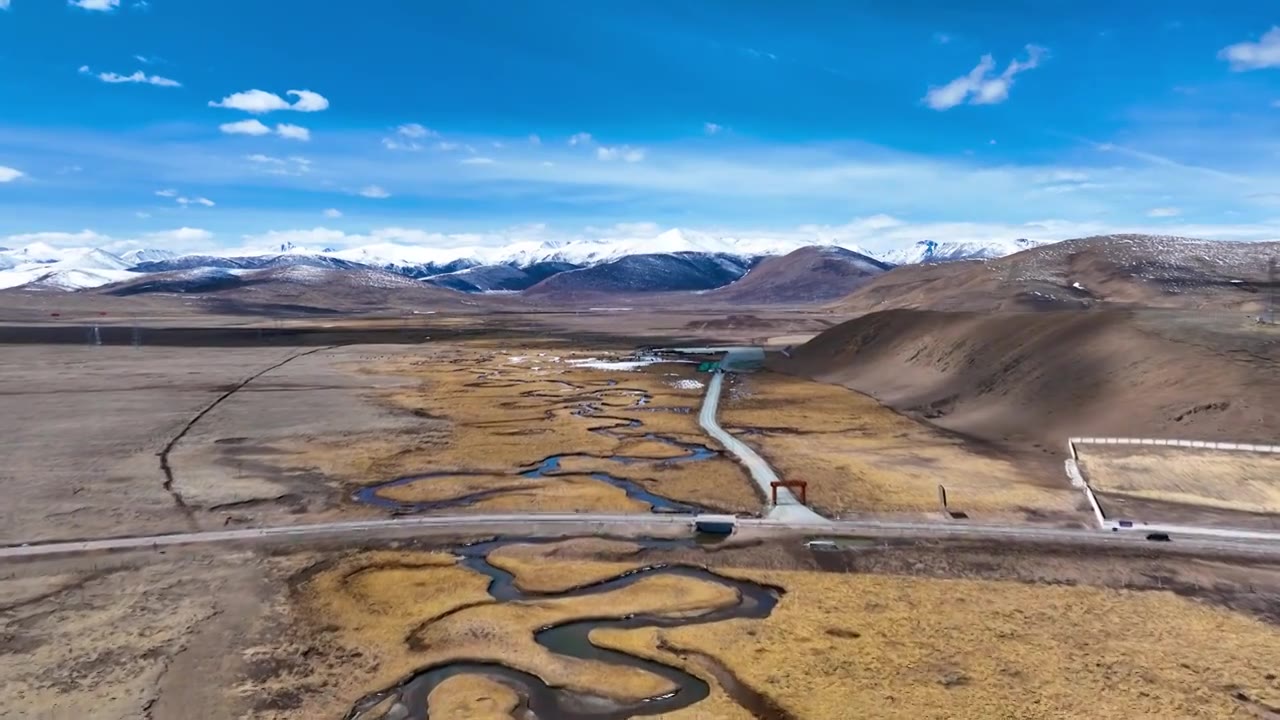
(1028, 379)
(810, 274)
(1142, 270)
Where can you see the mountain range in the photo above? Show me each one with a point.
(673, 260)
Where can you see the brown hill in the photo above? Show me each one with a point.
(1024, 380)
(1141, 270)
(810, 274)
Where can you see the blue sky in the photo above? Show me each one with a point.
(492, 121)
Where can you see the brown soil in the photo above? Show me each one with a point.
(1030, 380)
(1139, 270)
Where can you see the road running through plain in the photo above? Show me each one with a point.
(788, 506)
(565, 525)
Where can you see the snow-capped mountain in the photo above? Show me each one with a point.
(932, 251)
(43, 267)
(506, 267)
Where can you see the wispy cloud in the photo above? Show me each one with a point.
(581, 138)
(374, 191)
(137, 77)
(626, 153)
(941, 38)
(167, 193)
(535, 140)
(979, 86)
(1254, 55)
(332, 213)
(8, 174)
(258, 102)
(98, 5)
(710, 128)
(4, 4)
(477, 161)
(406, 137)
(185, 201)
(1163, 212)
(293, 166)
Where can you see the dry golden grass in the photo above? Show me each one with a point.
(578, 493)
(717, 481)
(898, 647)
(645, 642)
(1212, 478)
(858, 456)
(523, 412)
(375, 599)
(556, 567)
(503, 633)
(472, 697)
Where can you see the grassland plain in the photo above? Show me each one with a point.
(1222, 479)
(497, 413)
(858, 456)
(875, 644)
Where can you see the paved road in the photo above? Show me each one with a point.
(553, 525)
(789, 507)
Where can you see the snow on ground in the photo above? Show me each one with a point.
(517, 359)
(627, 365)
(687, 385)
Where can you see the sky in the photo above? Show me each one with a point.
(184, 124)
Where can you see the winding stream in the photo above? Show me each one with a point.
(409, 697)
(589, 405)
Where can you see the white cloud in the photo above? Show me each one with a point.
(941, 38)
(711, 128)
(167, 193)
(333, 213)
(260, 101)
(142, 215)
(1254, 56)
(414, 130)
(626, 153)
(4, 4)
(100, 5)
(375, 192)
(447, 146)
(137, 77)
(548, 163)
(477, 161)
(245, 127)
(979, 86)
(255, 127)
(179, 236)
(293, 132)
(144, 59)
(1163, 212)
(406, 137)
(581, 138)
(535, 140)
(271, 165)
(308, 101)
(8, 174)
(183, 201)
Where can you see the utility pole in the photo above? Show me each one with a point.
(1271, 291)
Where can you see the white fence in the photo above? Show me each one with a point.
(1204, 444)
(1105, 523)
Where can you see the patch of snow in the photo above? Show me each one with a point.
(518, 359)
(1078, 286)
(687, 385)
